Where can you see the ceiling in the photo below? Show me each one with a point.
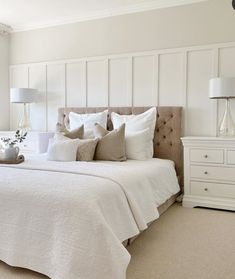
(32, 14)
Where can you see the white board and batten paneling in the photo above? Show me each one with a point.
(143, 71)
(76, 84)
(200, 109)
(97, 86)
(227, 69)
(173, 77)
(120, 89)
(56, 90)
(38, 111)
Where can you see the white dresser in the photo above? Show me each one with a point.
(209, 172)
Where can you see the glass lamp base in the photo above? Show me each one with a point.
(24, 123)
(227, 126)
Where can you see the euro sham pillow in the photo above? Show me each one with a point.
(63, 150)
(111, 145)
(88, 120)
(137, 145)
(137, 123)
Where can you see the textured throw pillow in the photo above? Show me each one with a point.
(63, 150)
(88, 120)
(136, 123)
(77, 133)
(111, 145)
(137, 144)
(86, 149)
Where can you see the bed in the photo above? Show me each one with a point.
(69, 220)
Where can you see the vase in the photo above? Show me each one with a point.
(11, 153)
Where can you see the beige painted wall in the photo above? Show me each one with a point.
(207, 22)
(4, 88)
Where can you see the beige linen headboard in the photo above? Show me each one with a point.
(167, 143)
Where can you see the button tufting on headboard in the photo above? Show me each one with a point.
(167, 143)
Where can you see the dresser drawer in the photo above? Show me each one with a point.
(212, 189)
(207, 155)
(231, 157)
(214, 173)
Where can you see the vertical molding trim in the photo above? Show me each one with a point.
(215, 72)
(131, 81)
(10, 107)
(185, 91)
(156, 78)
(65, 85)
(46, 85)
(107, 82)
(86, 82)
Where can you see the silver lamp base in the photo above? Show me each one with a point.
(227, 126)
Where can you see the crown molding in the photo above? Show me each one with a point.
(140, 7)
(5, 29)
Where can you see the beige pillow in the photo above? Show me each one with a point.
(111, 145)
(77, 133)
(86, 149)
(62, 150)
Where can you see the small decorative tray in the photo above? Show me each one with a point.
(20, 159)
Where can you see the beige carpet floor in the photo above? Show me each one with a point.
(183, 244)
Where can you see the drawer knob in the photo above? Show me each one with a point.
(206, 156)
(206, 189)
(205, 172)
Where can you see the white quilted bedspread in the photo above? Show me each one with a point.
(68, 220)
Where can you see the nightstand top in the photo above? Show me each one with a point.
(209, 141)
(194, 138)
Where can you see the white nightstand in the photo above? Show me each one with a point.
(209, 172)
(29, 146)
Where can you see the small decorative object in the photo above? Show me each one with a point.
(224, 88)
(10, 151)
(24, 96)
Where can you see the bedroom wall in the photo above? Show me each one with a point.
(4, 83)
(152, 76)
(207, 22)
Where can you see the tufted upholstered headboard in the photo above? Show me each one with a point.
(167, 143)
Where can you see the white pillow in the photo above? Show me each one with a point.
(137, 145)
(88, 120)
(136, 123)
(63, 150)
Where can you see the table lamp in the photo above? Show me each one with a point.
(224, 88)
(24, 96)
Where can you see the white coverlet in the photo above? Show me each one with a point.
(67, 220)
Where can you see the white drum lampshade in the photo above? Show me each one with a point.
(224, 88)
(24, 96)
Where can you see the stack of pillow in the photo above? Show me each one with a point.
(87, 137)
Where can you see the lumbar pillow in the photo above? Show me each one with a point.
(77, 133)
(86, 149)
(137, 145)
(88, 120)
(136, 123)
(63, 150)
(111, 145)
